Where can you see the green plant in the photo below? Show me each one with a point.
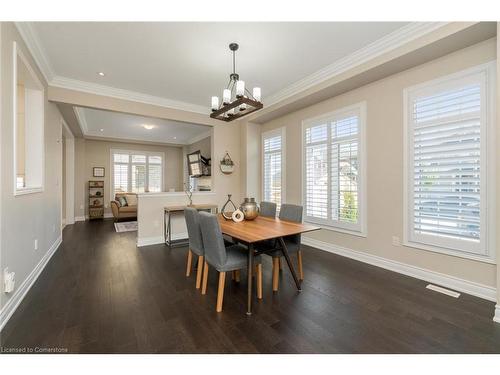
(349, 210)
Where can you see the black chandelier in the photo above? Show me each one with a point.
(237, 101)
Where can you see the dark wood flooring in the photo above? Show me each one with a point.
(101, 294)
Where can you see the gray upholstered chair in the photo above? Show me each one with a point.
(288, 212)
(267, 209)
(223, 258)
(195, 242)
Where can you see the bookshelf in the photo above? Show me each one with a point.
(96, 199)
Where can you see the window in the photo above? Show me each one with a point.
(446, 125)
(28, 94)
(273, 166)
(136, 171)
(333, 170)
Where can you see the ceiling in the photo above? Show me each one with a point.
(114, 125)
(190, 62)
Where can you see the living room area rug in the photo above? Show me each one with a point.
(127, 226)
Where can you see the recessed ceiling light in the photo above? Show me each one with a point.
(175, 137)
(147, 126)
(101, 74)
(101, 130)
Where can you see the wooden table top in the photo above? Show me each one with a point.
(262, 228)
(177, 208)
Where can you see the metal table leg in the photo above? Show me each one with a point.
(250, 272)
(165, 226)
(290, 265)
(167, 230)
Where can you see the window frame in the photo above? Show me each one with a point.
(269, 134)
(17, 53)
(484, 74)
(114, 151)
(360, 229)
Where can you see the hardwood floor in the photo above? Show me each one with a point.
(101, 294)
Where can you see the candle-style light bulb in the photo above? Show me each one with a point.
(215, 103)
(256, 93)
(240, 89)
(226, 96)
(230, 112)
(243, 106)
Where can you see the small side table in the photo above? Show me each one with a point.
(175, 210)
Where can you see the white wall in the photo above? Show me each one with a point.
(25, 218)
(251, 154)
(385, 168)
(97, 154)
(226, 137)
(497, 310)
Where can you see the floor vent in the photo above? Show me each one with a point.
(443, 290)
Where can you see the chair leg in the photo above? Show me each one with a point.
(237, 276)
(259, 281)
(199, 271)
(220, 291)
(189, 261)
(205, 278)
(301, 271)
(276, 272)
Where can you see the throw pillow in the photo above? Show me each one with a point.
(123, 201)
(131, 199)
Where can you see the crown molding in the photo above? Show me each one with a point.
(378, 48)
(94, 88)
(34, 46)
(199, 137)
(132, 140)
(397, 38)
(80, 117)
(87, 134)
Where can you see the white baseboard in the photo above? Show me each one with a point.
(147, 241)
(455, 283)
(107, 215)
(496, 318)
(16, 299)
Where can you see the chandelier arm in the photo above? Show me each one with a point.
(234, 62)
(250, 95)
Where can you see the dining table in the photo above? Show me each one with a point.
(251, 232)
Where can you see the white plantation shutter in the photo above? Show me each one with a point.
(332, 183)
(446, 171)
(273, 170)
(344, 169)
(137, 172)
(120, 178)
(316, 204)
(120, 173)
(138, 178)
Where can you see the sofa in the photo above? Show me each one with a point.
(128, 211)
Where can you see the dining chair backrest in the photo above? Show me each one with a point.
(291, 212)
(213, 242)
(194, 231)
(267, 209)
